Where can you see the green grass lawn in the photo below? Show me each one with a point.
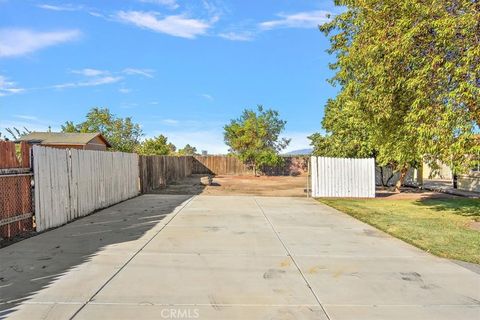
(440, 226)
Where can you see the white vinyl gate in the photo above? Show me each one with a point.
(342, 177)
(73, 183)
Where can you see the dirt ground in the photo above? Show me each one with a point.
(279, 186)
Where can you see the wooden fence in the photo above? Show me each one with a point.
(230, 165)
(73, 183)
(158, 171)
(340, 177)
(16, 208)
(220, 165)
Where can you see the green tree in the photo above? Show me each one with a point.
(255, 137)
(409, 73)
(345, 137)
(157, 146)
(123, 134)
(188, 150)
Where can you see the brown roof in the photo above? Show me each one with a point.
(62, 138)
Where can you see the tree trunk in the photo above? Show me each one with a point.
(381, 176)
(401, 180)
(387, 184)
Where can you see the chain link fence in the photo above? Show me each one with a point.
(16, 208)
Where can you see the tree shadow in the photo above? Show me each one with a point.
(456, 205)
(28, 266)
(410, 193)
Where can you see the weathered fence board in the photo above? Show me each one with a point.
(341, 177)
(9, 158)
(220, 165)
(230, 165)
(73, 183)
(15, 190)
(156, 172)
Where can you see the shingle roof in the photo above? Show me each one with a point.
(61, 138)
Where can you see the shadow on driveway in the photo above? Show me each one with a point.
(30, 265)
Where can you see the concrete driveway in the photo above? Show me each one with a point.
(228, 257)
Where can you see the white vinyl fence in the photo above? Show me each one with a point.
(73, 183)
(341, 177)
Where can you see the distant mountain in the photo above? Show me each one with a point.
(299, 152)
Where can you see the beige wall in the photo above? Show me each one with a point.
(470, 182)
(445, 173)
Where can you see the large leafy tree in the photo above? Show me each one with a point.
(346, 136)
(157, 146)
(122, 133)
(409, 72)
(255, 137)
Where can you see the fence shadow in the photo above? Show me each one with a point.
(191, 185)
(28, 266)
(199, 167)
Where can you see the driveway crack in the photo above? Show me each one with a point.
(293, 260)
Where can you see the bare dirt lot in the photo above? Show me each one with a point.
(276, 186)
(281, 186)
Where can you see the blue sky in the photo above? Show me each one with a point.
(179, 68)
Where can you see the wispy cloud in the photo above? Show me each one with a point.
(128, 105)
(97, 14)
(307, 19)
(142, 72)
(96, 77)
(89, 83)
(8, 87)
(171, 4)
(17, 42)
(90, 77)
(237, 36)
(124, 90)
(90, 72)
(174, 25)
(207, 96)
(170, 122)
(25, 117)
(66, 7)
(214, 8)
(70, 7)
